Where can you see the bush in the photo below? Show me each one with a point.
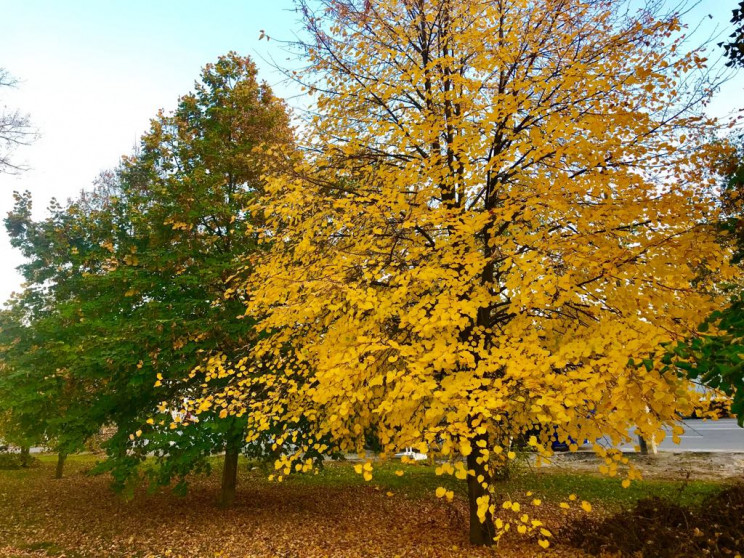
(11, 461)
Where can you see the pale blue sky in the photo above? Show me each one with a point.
(93, 72)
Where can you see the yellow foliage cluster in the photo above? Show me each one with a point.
(509, 207)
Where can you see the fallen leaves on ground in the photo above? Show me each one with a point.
(78, 516)
(661, 529)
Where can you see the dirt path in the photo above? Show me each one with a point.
(664, 465)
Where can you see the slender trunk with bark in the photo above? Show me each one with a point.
(481, 534)
(643, 445)
(25, 456)
(230, 470)
(61, 457)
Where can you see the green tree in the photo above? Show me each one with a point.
(185, 193)
(161, 237)
(41, 398)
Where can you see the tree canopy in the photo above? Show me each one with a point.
(507, 206)
(503, 216)
(138, 266)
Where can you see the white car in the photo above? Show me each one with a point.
(411, 453)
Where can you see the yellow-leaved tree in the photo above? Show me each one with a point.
(501, 218)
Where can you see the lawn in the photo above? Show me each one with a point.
(334, 513)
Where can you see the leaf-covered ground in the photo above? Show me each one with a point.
(663, 529)
(334, 514)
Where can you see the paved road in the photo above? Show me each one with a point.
(723, 435)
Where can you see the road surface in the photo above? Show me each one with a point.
(722, 435)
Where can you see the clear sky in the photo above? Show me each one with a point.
(93, 72)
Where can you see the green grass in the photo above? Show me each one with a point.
(421, 480)
(609, 492)
(418, 480)
(77, 461)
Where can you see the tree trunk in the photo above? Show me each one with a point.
(230, 470)
(25, 456)
(643, 445)
(61, 457)
(481, 534)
